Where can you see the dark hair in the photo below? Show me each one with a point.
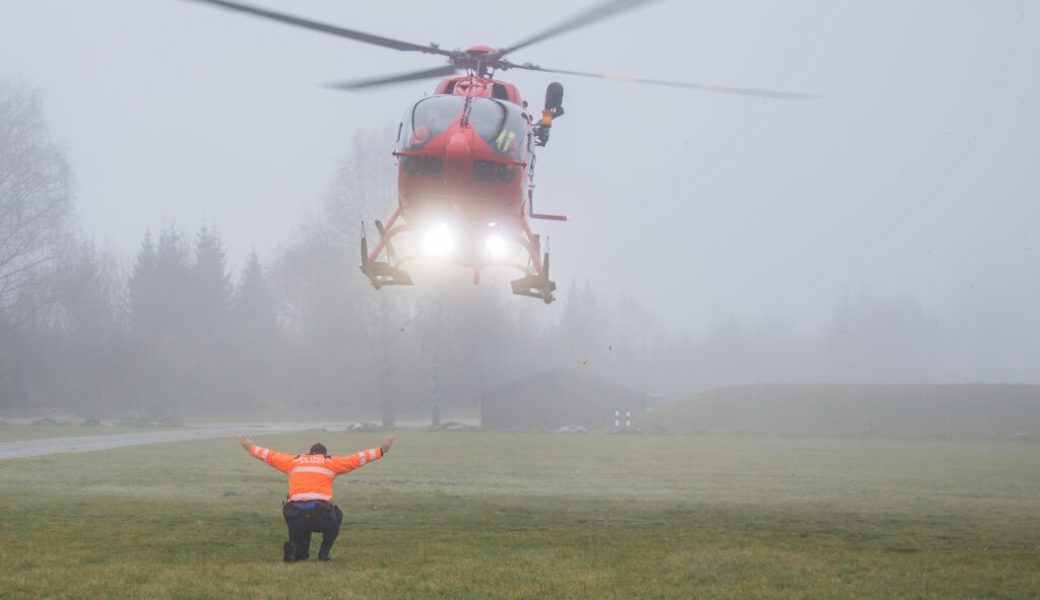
(319, 448)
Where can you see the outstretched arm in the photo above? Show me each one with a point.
(278, 460)
(344, 464)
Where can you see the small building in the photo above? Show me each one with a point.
(553, 399)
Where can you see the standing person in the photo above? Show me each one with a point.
(308, 507)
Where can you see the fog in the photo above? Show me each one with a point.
(885, 232)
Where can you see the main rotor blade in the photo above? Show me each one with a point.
(352, 34)
(720, 89)
(360, 84)
(594, 14)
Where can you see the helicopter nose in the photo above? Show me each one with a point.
(457, 155)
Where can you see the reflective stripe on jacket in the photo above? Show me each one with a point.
(311, 475)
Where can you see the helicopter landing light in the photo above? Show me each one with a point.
(439, 241)
(496, 246)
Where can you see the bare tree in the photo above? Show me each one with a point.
(364, 323)
(35, 205)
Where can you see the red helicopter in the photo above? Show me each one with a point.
(466, 154)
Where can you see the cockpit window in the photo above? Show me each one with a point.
(427, 118)
(500, 124)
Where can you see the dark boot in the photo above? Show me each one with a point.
(289, 552)
(323, 552)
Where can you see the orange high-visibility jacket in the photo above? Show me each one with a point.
(311, 475)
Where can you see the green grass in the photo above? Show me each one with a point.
(481, 515)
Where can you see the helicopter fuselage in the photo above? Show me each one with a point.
(464, 160)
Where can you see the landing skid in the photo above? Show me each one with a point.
(536, 285)
(382, 272)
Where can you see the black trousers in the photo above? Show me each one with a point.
(323, 518)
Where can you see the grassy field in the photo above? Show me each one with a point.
(480, 515)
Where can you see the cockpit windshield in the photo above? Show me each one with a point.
(429, 117)
(499, 123)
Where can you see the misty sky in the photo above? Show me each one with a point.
(916, 174)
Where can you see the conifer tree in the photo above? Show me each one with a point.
(209, 284)
(255, 311)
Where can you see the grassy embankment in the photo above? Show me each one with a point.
(837, 410)
(480, 515)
